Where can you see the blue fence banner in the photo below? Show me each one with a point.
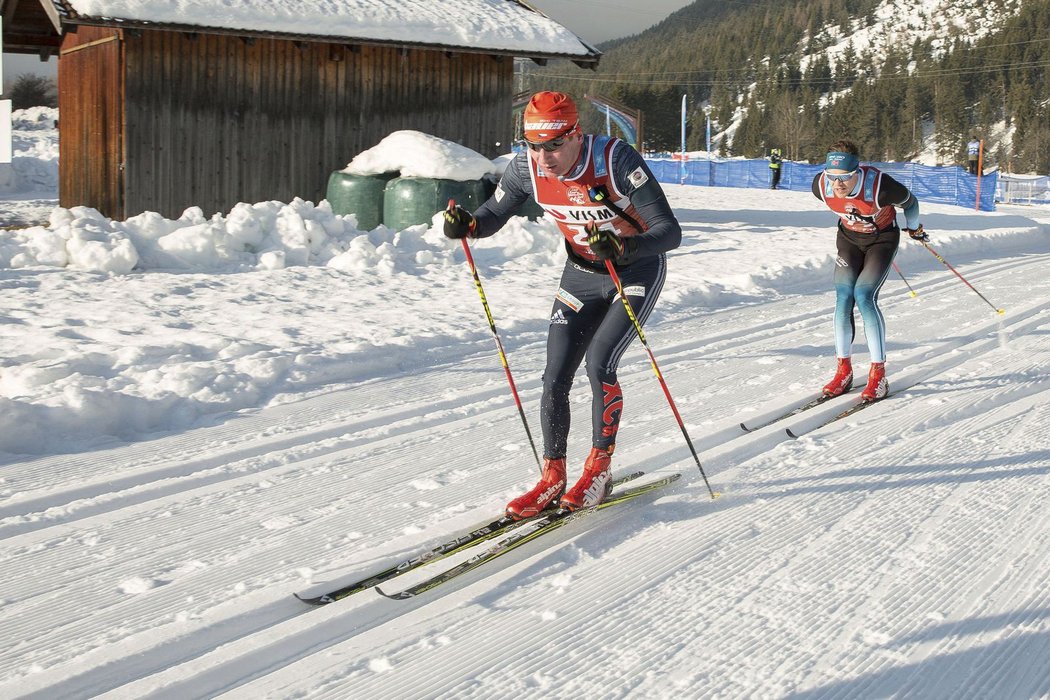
(942, 184)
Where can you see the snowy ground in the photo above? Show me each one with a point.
(189, 443)
(29, 184)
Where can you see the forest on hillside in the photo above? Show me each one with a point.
(766, 68)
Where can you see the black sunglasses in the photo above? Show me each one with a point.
(840, 178)
(550, 146)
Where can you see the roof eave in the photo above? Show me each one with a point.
(587, 60)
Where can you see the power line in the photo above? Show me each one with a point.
(741, 73)
(620, 76)
(752, 75)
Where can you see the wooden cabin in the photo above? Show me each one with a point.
(160, 113)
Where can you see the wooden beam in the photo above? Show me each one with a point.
(52, 14)
(81, 47)
(9, 10)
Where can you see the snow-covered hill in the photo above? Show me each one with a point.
(897, 23)
(852, 41)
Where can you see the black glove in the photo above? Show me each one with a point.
(458, 222)
(604, 244)
(917, 234)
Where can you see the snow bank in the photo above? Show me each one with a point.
(415, 154)
(260, 236)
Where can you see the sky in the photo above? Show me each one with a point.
(201, 416)
(18, 64)
(600, 20)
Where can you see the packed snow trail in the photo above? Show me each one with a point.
(904, 552)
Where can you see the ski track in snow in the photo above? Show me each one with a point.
(904, 551)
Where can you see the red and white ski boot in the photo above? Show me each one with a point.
(877, 385)
(595, 484)
(543, 495)
(843, 380)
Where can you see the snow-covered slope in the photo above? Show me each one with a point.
(900, 23)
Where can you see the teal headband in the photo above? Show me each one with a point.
(841, 161)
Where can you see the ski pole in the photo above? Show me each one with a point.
(936, 255)
(499, 344)
(601, 194)
(656, 370)
(895, 267)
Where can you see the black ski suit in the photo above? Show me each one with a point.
(587, 318)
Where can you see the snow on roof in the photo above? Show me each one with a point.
(501, 25)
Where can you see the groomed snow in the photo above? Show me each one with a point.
(191, 440)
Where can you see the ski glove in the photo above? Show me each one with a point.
(917, 234)
(606, 245)
(458, 222)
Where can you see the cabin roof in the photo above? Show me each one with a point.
(490, 26)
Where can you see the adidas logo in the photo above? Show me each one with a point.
(558, 317)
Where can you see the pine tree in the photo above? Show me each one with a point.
(33, 91)
(749, 139)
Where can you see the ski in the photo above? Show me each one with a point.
(456, 543)
(793, 411)
(838, 416)
(536, 527)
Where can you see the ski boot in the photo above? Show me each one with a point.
(877, 385)
(843, 380)
(595, 484)
(543, 495)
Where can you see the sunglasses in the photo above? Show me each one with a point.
(840, 178)
(549, 146)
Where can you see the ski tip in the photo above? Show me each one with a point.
(400, 595)
(745, 428)
(319, 600)
(790, 434)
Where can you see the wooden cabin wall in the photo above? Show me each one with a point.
(214, 120)
(90, 114)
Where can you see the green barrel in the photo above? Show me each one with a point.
(408, 201)
(361, 195)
